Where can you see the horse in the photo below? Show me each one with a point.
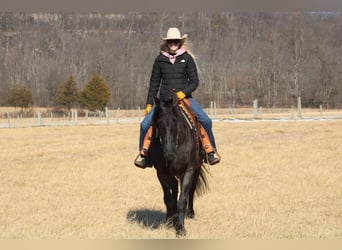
(176, 155)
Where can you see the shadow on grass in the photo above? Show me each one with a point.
(147, 218)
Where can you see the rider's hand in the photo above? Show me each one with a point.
(147, 109)
(180, 95)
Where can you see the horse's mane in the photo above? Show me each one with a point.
(168, 108)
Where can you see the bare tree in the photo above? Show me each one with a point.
(274, 57)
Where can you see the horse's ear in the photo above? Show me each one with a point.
(156, 100)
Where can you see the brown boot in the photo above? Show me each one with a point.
(141, 160)
(212, 157)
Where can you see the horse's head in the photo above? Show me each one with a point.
(165, 118)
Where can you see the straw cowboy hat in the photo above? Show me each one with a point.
(174, 33)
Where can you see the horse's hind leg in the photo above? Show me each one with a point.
(190, 213)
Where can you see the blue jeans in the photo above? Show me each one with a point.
(203, 118)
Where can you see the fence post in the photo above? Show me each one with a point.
(213, 109)
(139, 114)
(39, 118)
(75, 115)
(255, 107)
(299, 106)
(107, 114)
(230, 111)
(320, 109)
(8, 119)
(117, 115)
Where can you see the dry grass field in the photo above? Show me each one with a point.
(277, 180)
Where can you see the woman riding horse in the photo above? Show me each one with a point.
(174, 70)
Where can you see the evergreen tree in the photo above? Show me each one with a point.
(96, 94)
(67, 95)
(20, 96)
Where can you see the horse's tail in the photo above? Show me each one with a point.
(201, 182)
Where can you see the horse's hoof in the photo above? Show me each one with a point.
(170, 222)
(190, 214)
(180, 232)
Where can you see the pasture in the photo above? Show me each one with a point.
(277, 180)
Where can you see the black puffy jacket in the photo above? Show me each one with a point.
(167, 77)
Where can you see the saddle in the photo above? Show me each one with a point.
(190, 116)
(202, 138)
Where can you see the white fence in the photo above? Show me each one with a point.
(46, 118)
(41, 118)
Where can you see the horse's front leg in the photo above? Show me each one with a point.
(171, 203)
(182, 202)
(174, 193)
(168, 203)
(167, 184)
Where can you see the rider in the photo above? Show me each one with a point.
(174, 70)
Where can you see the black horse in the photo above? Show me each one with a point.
(176, 154)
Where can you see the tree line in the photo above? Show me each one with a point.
(94, 97)
(273, 57)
